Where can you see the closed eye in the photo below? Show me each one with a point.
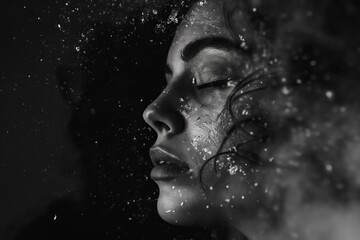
(220, 84)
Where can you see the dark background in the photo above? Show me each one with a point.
(75, 78)
(38, 161)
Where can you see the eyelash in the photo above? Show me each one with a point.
(222, 83)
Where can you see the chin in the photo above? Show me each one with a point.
(184, 206)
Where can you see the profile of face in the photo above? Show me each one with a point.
(204, 65)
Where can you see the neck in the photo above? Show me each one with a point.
(224, 232)
(238, 229)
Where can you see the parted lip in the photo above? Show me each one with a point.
(160, 156)
(167, 166)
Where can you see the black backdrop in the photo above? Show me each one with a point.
(75, 79)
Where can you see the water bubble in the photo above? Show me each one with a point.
(173, 17)
(329, 168)
(285, 90)
(329, 94)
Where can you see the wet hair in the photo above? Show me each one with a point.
(287, 56)
(260, 79)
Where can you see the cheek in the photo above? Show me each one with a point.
(205, 129)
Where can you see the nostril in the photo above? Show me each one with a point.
(161, 126)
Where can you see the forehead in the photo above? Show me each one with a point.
(204, 19)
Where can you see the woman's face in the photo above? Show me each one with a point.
(190, 125)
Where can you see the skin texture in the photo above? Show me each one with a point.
(190, 125)
(302, 174)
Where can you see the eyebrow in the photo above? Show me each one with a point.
(192, 49)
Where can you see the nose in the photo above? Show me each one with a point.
(164, 116)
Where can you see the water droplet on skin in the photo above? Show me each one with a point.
(233, 169)
(193, 81)
(206, 150)
(201, 3)
(230, 84)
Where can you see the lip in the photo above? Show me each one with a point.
(167, 165)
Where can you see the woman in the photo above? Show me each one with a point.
(233, 141)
